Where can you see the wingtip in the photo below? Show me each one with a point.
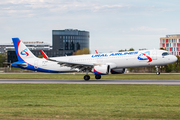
(44, 54)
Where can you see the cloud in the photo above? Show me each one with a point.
(20, 1)
(39, 8)
(44, 8)
(61, 6)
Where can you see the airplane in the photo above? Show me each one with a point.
(99, 64)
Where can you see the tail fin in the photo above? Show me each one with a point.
(22, 51)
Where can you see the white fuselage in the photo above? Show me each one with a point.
(116, 60)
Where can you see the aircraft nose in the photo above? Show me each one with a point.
(174, 58)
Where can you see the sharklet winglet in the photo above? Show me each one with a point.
(44, 54)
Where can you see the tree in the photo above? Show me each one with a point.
(177, 64)
(169, 68)
(82, 51)
(78, 52)
(162, 48)
(174, 66)
(121, 50)
(85, 51)
(131, 49)
(40, 56)
(3, 57)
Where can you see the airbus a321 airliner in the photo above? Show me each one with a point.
(99, 64)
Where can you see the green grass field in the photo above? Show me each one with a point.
(89, 102)
(80, 76)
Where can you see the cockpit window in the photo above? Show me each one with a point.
(165, 53)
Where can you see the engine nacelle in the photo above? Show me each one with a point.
(118, 71)
(101, 69)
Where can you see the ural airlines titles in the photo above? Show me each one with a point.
(114, 54)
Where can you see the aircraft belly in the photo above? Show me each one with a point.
(46, 66)
(132, 62)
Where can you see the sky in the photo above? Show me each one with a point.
(113, 24)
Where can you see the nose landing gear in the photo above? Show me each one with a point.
(86, 77)
(157, 70)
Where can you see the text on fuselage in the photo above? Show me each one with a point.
(114, 54)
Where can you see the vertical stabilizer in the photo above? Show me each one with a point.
(22, 51)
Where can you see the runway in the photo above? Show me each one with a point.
(54, 81)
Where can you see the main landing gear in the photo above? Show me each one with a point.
(98, 77)
(157, 70)
(87, 77)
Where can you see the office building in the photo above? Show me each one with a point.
(64, 42)
(69, 40)
(171, 43)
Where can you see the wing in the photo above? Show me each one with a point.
(80, 66)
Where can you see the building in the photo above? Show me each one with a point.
(171, 43)
(11, 54)
(33, 46)
(64, 42)
(69, 40)
(37, 45)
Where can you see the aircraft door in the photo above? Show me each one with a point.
(36, 64)
(154, 55)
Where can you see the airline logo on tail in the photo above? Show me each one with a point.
(145, 56)
(25, 52)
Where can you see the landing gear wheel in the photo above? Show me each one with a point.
(158, 73)
(98, 76)
(157, 70)
(86, 77)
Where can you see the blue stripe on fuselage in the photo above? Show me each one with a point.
(31, 67)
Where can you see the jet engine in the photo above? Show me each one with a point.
(118, 71)
(101, 69)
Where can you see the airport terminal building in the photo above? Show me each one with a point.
(33, 46)
(36, 45)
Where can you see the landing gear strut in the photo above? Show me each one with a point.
(157, 70)
(86, 77)
(98, 76)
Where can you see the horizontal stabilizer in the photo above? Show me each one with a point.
(20, 64)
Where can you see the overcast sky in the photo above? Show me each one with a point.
(113, 24)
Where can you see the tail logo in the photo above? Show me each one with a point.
(145, 56)
(25, 52)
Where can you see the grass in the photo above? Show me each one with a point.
(102, 102)
(80, 76)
